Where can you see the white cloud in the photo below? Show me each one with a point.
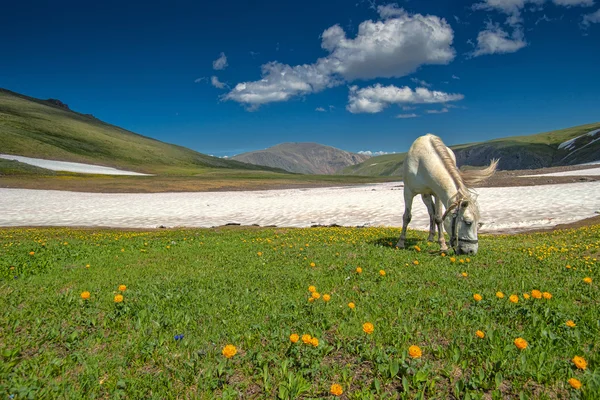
(404, 116)
(201, 79)
(513, 8)
(394, 47)
(390, 11)
(420, 82)
(455, 77)
(216, 83)
(376, 98)
(372, 153)
(593, 18)
(320, 109)
(494, 40)
(221, 62)
(571, 3)
(408, 108)
(442, 111)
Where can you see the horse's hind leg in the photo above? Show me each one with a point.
(428, 200)
(440, 224)
(408, 200)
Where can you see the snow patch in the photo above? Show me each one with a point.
(65, 166)
(502, 209)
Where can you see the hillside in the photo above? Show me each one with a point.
(576, 145)
(305, 158)
(49, 129)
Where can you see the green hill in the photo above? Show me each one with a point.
(49, 129)
(576, 145)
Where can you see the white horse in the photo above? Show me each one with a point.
(430, 170)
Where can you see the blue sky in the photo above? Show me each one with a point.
(357, 75)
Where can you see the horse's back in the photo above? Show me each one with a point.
(423, 166)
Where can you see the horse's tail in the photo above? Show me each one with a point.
(471, 177)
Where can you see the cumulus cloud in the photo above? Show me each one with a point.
(442, 111)
(217, 83)
(376, 98)
(495, 40)
(395, 46)
(320, 109)
(404, 116)
(221, 62)
(593, 18)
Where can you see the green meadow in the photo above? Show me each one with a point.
(213, 313)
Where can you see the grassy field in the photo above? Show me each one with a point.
(64, 333)
(36, 128)
(210, 180)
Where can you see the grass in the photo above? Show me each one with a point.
(190, 293)
(210, 180)
(35, 128)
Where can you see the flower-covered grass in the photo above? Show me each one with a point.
(200, 314)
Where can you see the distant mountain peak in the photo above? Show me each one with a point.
(303, 157)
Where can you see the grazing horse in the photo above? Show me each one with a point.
(430, 170)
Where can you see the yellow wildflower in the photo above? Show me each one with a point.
(587, 279)
(351, 305)
(326, 297)
(526, 296)
(312, 264)
(316, 295)
(122, 288)
(414, 351)
(118, 298)
(477, 297)
(547, 295)
(570, 323)
(368, 328)
(536, 294)
(381, 272)
(336, 389)
(579, 362)
(294, 337)
(312, 289)
(358, 270)
(464, 274)
(416, 262)
(513, 298)
(500, 295)
(480, 334)
(306, 339)
(85, 295)
(520, 343)
(314, 341)
(575, 383)
(229, 351)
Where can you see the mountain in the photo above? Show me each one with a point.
(49, 129)
(304, 158)
(576, 145)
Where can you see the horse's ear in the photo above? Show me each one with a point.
(464, 204)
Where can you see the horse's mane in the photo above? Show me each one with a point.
(450, 164)
(462, 179)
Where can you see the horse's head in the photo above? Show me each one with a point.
(462, 223)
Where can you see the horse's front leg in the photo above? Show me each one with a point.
(440, 224)
(408, 200)
(428, 200)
